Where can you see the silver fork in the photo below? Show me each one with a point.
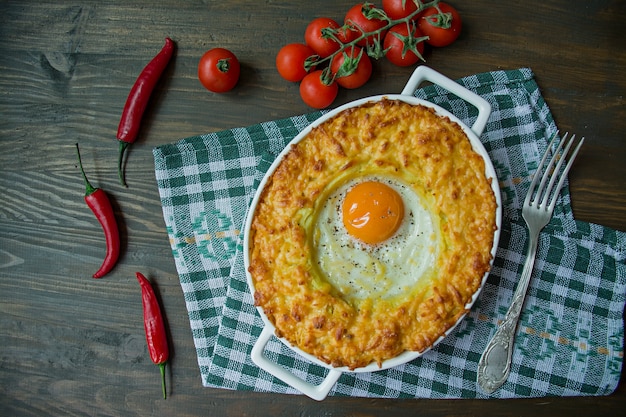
(495, 363)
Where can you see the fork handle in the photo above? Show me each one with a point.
(495, 363)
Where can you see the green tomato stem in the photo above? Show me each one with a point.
(223, 65)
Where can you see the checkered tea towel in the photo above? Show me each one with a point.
(570, 338)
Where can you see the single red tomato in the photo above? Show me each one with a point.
(352, 67)
(290, 61)
(401, 48)
(218, 70)
(441, 23)
(315, 38)
(399, 9)
(315, 92)
(356, 18)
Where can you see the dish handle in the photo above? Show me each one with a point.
(424, 73)
(317, 392)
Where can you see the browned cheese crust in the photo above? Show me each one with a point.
(427, 151)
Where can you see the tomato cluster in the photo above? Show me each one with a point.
(337, 55)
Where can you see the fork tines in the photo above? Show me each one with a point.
(560, 155)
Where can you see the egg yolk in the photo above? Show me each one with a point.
(372, 212)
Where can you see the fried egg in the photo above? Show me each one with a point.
(374, 238)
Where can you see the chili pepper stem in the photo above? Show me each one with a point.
(162, 368)
(89, 189)
(120, 171)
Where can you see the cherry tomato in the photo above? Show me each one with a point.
(441, 23)
(290, 61)
(313, 36)
(218, 70)
(355, 17)
(401, 50)
(399, 9)
(315, 93)
(357, 66)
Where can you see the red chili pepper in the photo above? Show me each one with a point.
(156, 337)
(100, 205)
(137, 101)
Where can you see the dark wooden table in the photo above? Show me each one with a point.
(72, 345)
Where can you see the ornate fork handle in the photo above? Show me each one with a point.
(495, 363)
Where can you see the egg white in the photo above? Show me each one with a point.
(391, 268)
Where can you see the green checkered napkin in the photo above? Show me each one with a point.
(570, 338)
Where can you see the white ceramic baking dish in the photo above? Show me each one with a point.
(420, 75)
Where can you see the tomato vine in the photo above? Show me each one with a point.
(374, 49)
(343, 53)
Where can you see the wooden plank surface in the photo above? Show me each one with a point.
(72, 345)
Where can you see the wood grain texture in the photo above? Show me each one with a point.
(72, 345)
